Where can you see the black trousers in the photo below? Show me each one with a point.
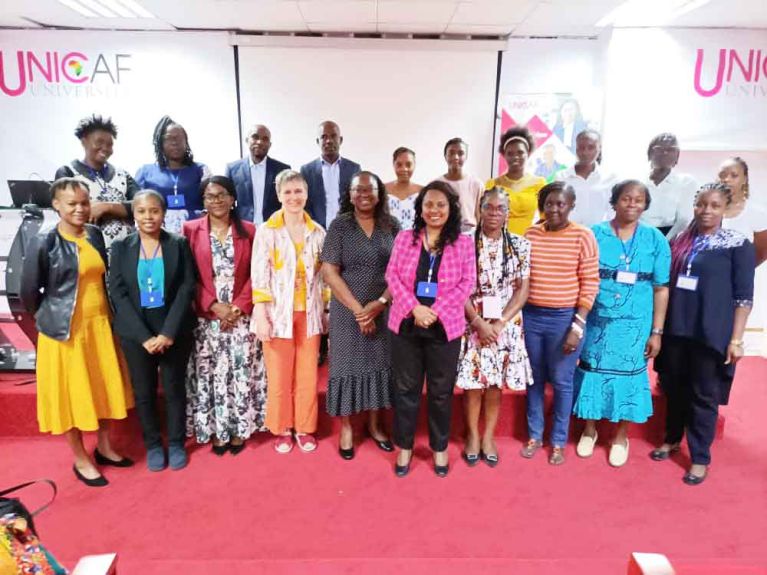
(143, 368)
(692, 379)
(412, 358)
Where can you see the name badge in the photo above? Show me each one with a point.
(426, 289)
(492, 307)
(152, 298)
(624, 277)
(689, 283)
(176, 201)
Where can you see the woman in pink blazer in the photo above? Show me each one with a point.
(226, 382)
(430, 275)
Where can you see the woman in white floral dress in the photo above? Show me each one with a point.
(226, 381)
(493, 354)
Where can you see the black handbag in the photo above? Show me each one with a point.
(14, 505)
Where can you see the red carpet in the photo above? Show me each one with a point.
(314, 513)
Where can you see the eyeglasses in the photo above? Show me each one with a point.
(213, 198)
(495, 209)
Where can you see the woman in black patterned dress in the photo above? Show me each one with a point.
(355, 254)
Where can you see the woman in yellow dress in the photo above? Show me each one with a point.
(80, 385)
(522, 188)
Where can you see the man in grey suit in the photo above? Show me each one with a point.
(328, 176)
(253, 177)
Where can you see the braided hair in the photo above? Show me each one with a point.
(509, 252)
(157, 139)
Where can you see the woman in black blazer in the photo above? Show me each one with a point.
(151, 284)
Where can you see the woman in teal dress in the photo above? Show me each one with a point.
(623, 329)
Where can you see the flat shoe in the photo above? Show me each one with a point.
(306, 442)
(471, 459)
(557, 456)
(490, 458)
(402, 470)
(177, 457)
(385, 445)
(529, 450)
(99, 481)
(441, 470)
(619, 454)
(691, 479)
(236, 449)
(283, 444)
(103, 460)
(155, 459)
(586, 445)
(663, 454)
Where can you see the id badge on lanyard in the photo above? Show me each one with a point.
(176, 201)
(428, 288)
(492, 307)
(625, 276)
(151, 295)
(689, 282)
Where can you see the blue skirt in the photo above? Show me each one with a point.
(611, 381)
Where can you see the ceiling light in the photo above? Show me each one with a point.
(136, 8)
(648, 12)
(82, 10)
(118, 8)
(98, 8)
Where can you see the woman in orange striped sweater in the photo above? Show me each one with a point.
(564, 280)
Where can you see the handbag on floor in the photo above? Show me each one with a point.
(21, 552)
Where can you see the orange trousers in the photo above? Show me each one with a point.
(291, 372)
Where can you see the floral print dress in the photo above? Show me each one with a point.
(226, 380)
(505, 362)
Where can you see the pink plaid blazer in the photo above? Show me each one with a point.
(457, 277)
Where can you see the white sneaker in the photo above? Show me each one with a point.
(619, 454)
(586, 445)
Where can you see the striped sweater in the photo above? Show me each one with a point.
(564, 267)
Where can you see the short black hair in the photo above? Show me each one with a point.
(452, 141)
(383, 219)
(402, 150)
(151, 194)
(659, 138)
(157, 136)
(92, 123)
(554, 188)
(64, 183)
(452, 229)
(623, 185)
(517, 132)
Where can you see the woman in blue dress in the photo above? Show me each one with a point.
(623, 329)
(175, 174)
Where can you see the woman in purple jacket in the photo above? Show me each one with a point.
(430, 275)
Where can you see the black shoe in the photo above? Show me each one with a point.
(490, 458)
(402, 470)
(471, 459)
(441, 470)
(663, 454)
(99, 481)
(347, 454)
(385, 445)
(103, 460)
(220, 449)
(236, 449)
(691, 479)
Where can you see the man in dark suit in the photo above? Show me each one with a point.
(253, 178)
(328, 176)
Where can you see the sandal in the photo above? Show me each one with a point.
(529, 450)
(306, 442)
(283, 444)
(557, 456)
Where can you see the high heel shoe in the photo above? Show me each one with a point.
(220, 450)
(347, 454)
(402, 470)
(385, 445)
(104, 460)
(99, 481)
(236, 448)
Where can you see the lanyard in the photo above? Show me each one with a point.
(174, 177)
(699, 245)
(148, 278)
(432, 259)
(627, 252)
(99, 177)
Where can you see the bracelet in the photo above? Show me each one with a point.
(737, 342)
(657, 331)
(577, 329)
(580, 319)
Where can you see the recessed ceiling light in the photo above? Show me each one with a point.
(79, 8)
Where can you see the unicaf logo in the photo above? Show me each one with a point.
(29, 68)
(738, 73)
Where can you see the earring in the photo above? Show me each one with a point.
(746, 191)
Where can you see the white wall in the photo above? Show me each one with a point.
(189, 76)
(383, 94)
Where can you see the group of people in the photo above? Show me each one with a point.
(223, 286)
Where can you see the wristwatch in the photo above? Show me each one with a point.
(383, 300)
(656, 331)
